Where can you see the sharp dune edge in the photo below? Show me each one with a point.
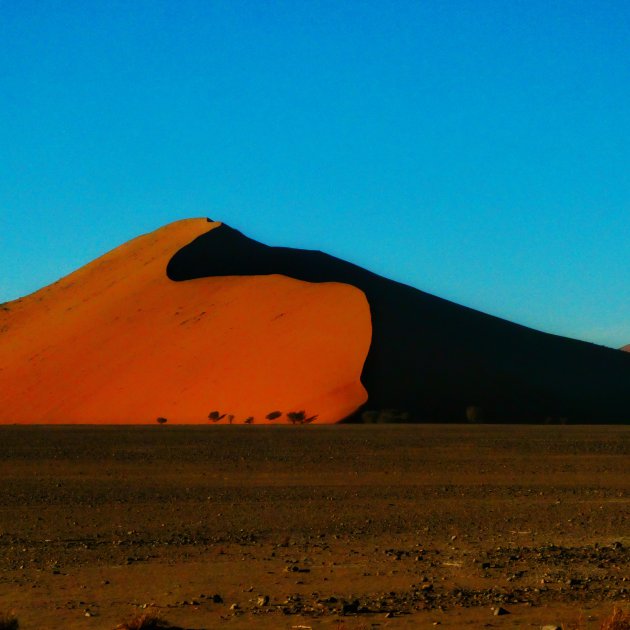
(196, 317)
(118, 342)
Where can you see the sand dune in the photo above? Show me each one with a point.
(196, 317)
(118, 342)
(432, 360)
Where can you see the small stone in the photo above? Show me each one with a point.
(501, 611)
(263, 600)
(551, 627)
(217, 599)
(348, 609)
(234, 607)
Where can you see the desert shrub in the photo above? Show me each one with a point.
(215, 416)
(385, 416)
(474, 413)
(8, 622)
(618, 620)
(369, 417)
(296, 417)
(273, 415)
(146, 621)
(161, 420)
(249, 420)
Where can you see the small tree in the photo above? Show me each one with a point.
(296, 417)
(249, 420)
(474, 413)
(273, 415)
(215, 416)
(161, 420)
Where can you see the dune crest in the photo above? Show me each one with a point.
(117, 342)
(197, 318)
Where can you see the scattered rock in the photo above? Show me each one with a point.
(350, 608)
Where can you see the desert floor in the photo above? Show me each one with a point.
(395, 526)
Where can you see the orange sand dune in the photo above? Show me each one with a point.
(118, 342)
(626, 348)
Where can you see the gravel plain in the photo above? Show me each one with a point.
(348, 526)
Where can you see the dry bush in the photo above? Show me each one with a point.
(474, 414)
(618, 620)
(146, 621)
(296, 417)
(8, 622)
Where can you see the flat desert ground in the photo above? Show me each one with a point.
(408, 526)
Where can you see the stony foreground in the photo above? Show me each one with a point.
(315, 527)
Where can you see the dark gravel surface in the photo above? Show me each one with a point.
(341, 522)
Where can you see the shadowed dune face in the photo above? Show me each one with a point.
(118, 342)
(436, 360)
(195, 318)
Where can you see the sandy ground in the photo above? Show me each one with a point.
(395, 526)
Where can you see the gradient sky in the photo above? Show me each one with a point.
(477, 150)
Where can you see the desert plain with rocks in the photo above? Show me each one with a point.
(344, 527)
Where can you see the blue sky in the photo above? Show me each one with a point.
(477, 150)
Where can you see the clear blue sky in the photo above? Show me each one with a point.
(478, 150)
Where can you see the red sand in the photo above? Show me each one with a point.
(118, 342)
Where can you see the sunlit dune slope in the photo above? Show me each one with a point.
(626, 348)
(119, 342)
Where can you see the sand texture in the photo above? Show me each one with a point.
(119, 342)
